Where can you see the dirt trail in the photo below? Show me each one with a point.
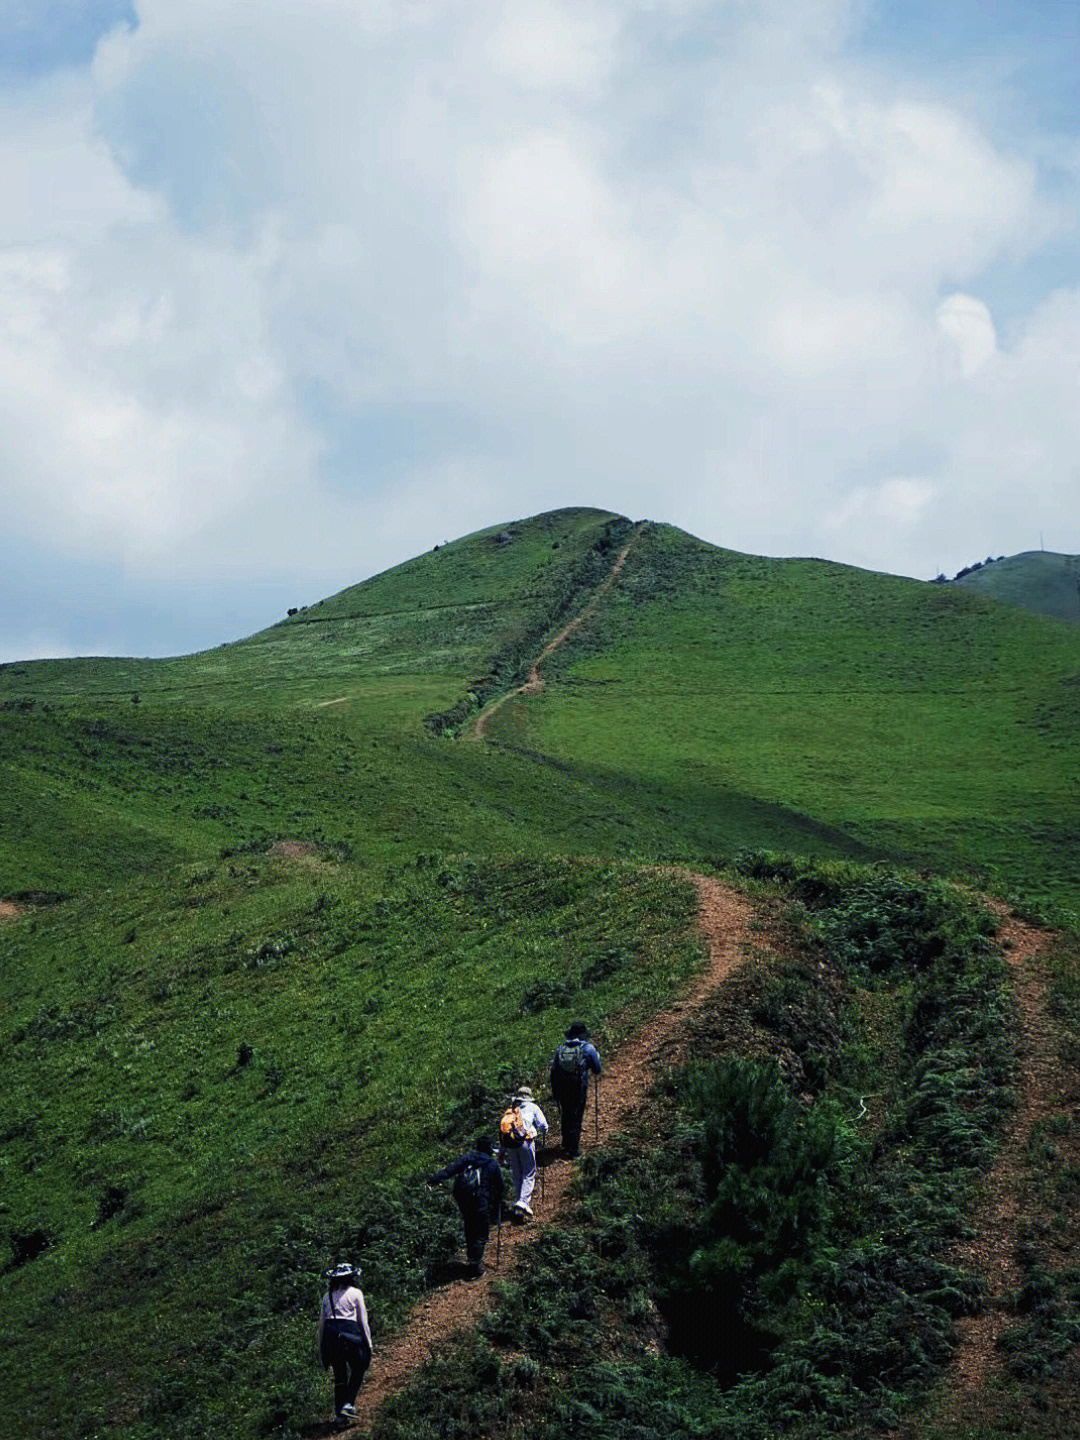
(10, 911)
(992, 1252)
(723, 921)
(535, 683)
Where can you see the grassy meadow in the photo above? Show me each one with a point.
(915, 721)
(288, 930)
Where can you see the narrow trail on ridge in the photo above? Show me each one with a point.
(723, 920)
(535, 682)
(997, 1224)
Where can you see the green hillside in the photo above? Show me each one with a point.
(1038, 580)
(907, 718)
(276, 900)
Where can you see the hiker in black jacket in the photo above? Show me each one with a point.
(570, 1069)
(478, 1190)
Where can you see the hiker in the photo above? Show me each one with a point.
(518, 1129)
(570, 1068)
(344, 1336)
(478, 1190)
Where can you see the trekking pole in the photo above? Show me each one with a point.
(498, 1239)
(596, 1109)
(543, 1152)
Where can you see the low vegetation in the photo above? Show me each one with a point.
(278, 934)
(780, 1264)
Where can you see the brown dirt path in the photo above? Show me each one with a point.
(992, 1251)
(723, 921)
(10, 911)
(535, 683)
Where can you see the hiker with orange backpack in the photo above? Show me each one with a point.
(478, 1190)
(574, 1060)
(518, 1129)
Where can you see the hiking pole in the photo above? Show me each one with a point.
(543, 1152)
(498, 1239)
(596, 1109)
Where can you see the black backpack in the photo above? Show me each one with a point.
(472, 1181)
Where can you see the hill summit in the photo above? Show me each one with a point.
(1039, 580)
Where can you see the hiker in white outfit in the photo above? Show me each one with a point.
(521, 1155)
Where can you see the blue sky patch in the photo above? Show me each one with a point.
(1034, 48)
(38, 36)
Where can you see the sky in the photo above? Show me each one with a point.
(291, 292)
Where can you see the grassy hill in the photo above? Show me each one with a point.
(1038, 580)
(278, 901)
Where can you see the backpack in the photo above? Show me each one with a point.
(513, 1130)
(472, 1180)
(570, 1060)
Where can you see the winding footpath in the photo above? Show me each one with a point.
(992, 1251)
(535, 682)
(723, 921)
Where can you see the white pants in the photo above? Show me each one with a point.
(523, 1169)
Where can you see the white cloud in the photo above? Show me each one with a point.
(681, 259)
(968, 323)
(900, 502)
(544, 44)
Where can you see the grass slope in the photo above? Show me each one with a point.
(280, 905)
(1039, 580)
(909, 718)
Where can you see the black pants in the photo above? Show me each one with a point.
(477, 1222)
(571, 1105)
(345, 1347)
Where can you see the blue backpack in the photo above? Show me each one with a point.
(570, 1060)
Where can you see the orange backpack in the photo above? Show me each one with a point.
(513, 1130)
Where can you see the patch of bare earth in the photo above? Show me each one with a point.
(723, 920)
(535, 683)
(10, 911)
(302, 850)
(992, 1252)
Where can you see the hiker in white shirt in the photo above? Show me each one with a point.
(344, 1336)
(519, 1151)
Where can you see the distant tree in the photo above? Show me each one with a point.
(292, 609)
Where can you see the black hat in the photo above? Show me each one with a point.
(483, 1144)
(577, 1031)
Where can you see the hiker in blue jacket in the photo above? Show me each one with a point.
(570, 1068)
(478, 1190)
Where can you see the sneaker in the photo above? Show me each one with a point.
(525, 1208)
(347, 1412)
